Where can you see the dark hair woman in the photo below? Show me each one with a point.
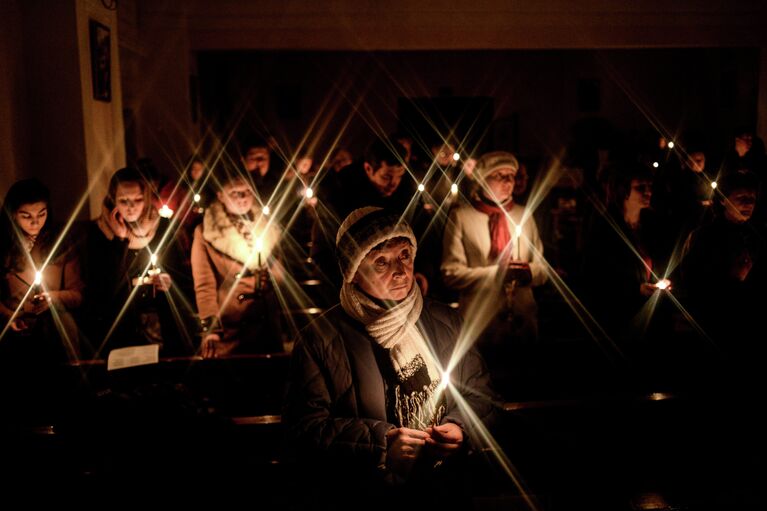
(624, 253)
(40, 287)
(40, 279)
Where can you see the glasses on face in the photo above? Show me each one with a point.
(501, 177)
(239, 194)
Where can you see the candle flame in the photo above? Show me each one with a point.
(165, 211)
(445, 381)
(266, 210)
(663, 284)
(309, 193)
(714, 184)
(421, 187)
(456, 156)
(518, 231)
(153, 259)
(454, 189)
(38, 278)
(197, 197)
(259, 244)
(671, 145)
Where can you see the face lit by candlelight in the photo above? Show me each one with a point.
(385, 178)
(739, 205)
(639, 196)
(500, 184)
(386, 273)
(129, 201)
(443, 154)
(31, 217)
(256, 159)
(196, 170)
(237, 197)
(696, 161)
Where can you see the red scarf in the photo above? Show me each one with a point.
(500, 236)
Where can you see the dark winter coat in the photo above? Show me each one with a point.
(336, 411)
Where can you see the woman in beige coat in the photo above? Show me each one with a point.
(234, 267)
(493, 256)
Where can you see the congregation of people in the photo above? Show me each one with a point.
(226, 258)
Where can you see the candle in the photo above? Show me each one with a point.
(517, 236)
(663, 284)
(259, 248)
(165, 211)
(37, 284)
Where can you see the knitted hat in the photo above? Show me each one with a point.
(363, 230)
(490, 162)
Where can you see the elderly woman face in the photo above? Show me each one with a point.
(237, 197)
(386, 273)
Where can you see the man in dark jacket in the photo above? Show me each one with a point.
(376, 382)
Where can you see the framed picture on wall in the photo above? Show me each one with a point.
(101, 61)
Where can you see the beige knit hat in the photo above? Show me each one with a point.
(363, 230)
(490, 162)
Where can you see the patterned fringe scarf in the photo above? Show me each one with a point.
(417, 402)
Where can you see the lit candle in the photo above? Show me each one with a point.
(456, 156)
(259, 248)
(517, 236)
(663, 284)
(309, 193)
(655, 164)
(714, 184)
(671, 144)
(421, 187)
(165, 211)
(197, 197)
(454, 189)
(37, 284)
(266, 210)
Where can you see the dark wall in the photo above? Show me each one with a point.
(537, 96)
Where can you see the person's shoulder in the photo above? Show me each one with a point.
(441, 312)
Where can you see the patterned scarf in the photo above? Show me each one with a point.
(417, 403)
(500, 237)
